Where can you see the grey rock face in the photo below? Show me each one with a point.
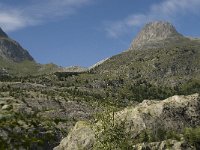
(3, 34)
(11, 50)
(154, 32)
(82, 135)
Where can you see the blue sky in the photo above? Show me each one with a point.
(83, 32)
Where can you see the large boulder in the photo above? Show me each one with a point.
(81, 137)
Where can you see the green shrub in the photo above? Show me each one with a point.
(111, 135)
(192, 135)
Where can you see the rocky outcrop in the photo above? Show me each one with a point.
(153, 33)
(75, 69)
(174, 113)
(98, 63)
(81, 136)
(11, 50)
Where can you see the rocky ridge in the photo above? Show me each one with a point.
(3, 34)
(11, 50)
(98, 63)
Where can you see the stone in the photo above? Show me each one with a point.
(81, 137)
(6, 107)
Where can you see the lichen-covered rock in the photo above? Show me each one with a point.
(6, 107)
(81, 137)
(174, 113)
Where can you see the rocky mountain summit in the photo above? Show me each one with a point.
(155, 32)
(3, 34)
(16, 61)
(172, 114)
(11, 50)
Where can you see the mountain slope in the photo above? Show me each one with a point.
(157, 55)
(11, 50)
(16, 61)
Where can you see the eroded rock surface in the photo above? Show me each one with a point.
(153, 33)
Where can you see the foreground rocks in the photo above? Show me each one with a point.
(168, 144)
(81, 135)
(34, 116)
(174, 113)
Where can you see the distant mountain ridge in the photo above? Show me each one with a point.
(155, 35)
(12, 50)
(16, 61)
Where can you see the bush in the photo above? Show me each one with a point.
(192, 135)
(111, 135)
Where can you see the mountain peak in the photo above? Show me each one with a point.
(12, 50)
(154, 32)
(3, 34)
